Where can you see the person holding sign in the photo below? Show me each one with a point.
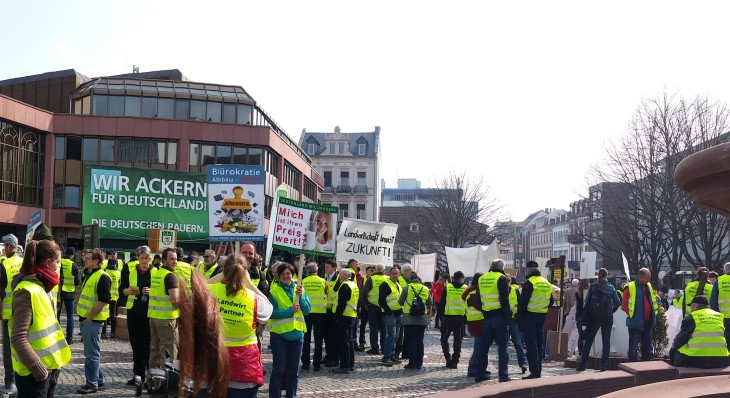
(291, 304)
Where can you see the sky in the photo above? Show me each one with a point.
(524, 94)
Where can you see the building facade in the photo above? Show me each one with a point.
(53, 124)
(349, 164)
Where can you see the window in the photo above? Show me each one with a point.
(361, 211)
(194, 152)
(345, 178)
(90, 150)
(60, 147)
(413, 227)
(141, 151)
(214, 112)
(57, 195)
(165, 108)
(332, 148)
(344, 210)
(182, 109)
(100, 104)
(197, 110)
(310, 190)
(327, 178)
(362, 180)
(149, 107)
(239, 155)
(362, 149)
(311, 148)
(244, 114)
(132, 106)
(207, 155)
(255, 156)
(71, 197)
(229, 113)
(157, 152)
(106, 150)
(123, 150)
(172, 153)
(73, 148)
(116, 105)
(223, 154)
(342, 148)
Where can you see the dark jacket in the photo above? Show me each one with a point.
(609, 290)
(526, 295)
(384, 291)
(682, 338)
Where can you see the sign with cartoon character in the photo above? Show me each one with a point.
(236, 202)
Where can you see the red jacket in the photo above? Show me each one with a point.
(246, 364)
(436, 291)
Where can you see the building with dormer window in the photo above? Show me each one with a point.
(350, 166)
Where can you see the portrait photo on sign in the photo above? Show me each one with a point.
(321, 233)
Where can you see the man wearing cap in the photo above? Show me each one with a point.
(70, 278)
(8, 269)
(700, 342)
(535, 299)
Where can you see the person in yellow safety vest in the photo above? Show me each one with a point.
(474, 319)
(8, 269)
(362, 312)
(316, 289)
(345, 313)
(720, 299)
(70, 278)
(163, 310)
(112, 269)
(241, 309)
(133, 261)
(691, 290)
(388, 295)
(640, 306)
(405, 274)
(415, 323)
(93, 310)
(535, 299)
(331, 356)
(135, 292)
(370, 294)
(677, 301)
(210, 267)
(514, 326)
(291, 305)
(39, 348)
(453, 309)
(701, 342)
(182, 269)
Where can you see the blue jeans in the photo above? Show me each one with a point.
(91, 334)
(67, 299)
(517, 341)
(636, 335)
(377, 326)
(472, 369)
(532, 327)
(392, 324)
(495, 330)
(286, 355)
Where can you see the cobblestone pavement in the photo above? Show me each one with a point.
(369, 380)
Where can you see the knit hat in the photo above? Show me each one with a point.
(701, 300)
(42, 233)
(11, 240)
(70, 250)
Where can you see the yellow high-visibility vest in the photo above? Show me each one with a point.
(513, 299)
(44, 334)
(88, 298)
(489, 291)
(68, 276)
(12, 267)
(351, 307)
(238, 315)
(454, 304)
(690, 291)
(392, 298)
(632, 300)
(413, 289)
(541, 292)
(315, 288)
(115, 276)
(184, 271)
(133, 274)
(723, 295)
(284, 325)
(708, 338)
(160, 304)
(374, 293)
(472, 313)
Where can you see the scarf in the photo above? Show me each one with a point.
(49, 278)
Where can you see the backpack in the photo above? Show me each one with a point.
(601, 304)
(418, 307)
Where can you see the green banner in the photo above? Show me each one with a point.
(125, 202)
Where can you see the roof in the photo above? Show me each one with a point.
(43, 76)
(168, 74)
(371, 138)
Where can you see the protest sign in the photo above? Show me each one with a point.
(368, 242)
(235, 202)
(33, 223)
(425, 266)
(308, 228)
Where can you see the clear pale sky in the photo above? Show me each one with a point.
(521, 93)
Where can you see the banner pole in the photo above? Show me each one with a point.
(301, 268)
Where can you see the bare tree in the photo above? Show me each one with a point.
(456, 212)
(667, 228)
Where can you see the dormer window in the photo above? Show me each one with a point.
(414, 227)
(311, 148)
(362, 146)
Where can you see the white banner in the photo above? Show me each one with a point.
(626, 267)
(425, 266)
(368, 242)
(471, 260)
(588, 265)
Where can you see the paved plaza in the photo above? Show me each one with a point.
(369, 380)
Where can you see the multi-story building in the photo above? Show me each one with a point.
(577, 218)
(609, 230)
(55, 123)
(350, 166)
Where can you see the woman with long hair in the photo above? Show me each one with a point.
(579, 308)
(241, 310)
(37, 341)
(604, 292)
(291, 304)
(325, 232)
(135, 287)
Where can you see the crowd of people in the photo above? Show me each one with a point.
(218, 307)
